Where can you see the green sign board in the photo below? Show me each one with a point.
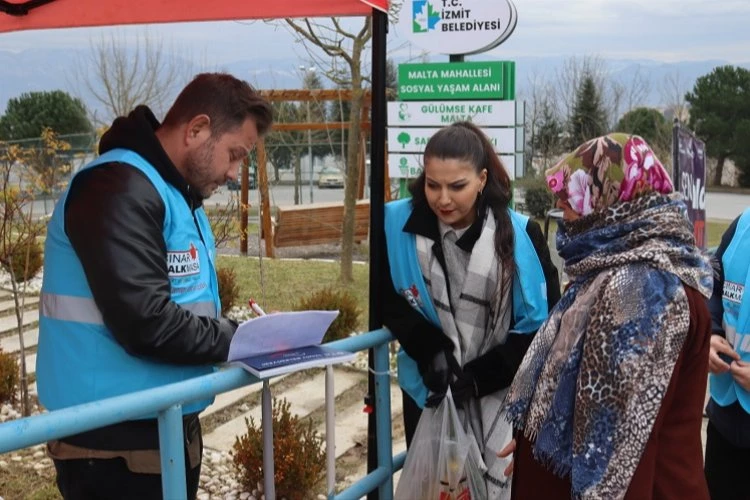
(458, 80)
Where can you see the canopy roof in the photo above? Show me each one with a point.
(19, 15)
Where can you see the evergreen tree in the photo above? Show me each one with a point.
(548, 138)
(589, 119)
(720, 115)
(650, 124)
(28, 115)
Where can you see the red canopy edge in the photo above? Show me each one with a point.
(381, 5)
(78, 13)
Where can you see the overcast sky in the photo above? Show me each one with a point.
(661, 30)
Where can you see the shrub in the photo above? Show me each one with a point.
(299, 456)
(36, 260)
(8, 377)
(225, 222)
(329, 299)
(539, 199)
(229, 290)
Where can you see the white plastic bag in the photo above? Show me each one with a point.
(443, 462)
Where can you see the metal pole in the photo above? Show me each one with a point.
(330, 433)
(244, 204)
(676, 154)
(383, 416)
(309, 151)
(172, 447)
(269, 490)
(377, 221)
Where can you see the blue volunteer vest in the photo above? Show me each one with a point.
(736, 320)
(529, 285)
(78, 358)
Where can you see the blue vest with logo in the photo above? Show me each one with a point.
(736, 320)
(529, 285)
(78, 358)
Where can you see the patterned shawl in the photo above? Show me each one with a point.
(479, 322)
(591, 384)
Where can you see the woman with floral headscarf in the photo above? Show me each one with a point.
(608, 399)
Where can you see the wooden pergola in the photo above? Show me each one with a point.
(298, 95)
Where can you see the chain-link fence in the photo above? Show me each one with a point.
(40, 168)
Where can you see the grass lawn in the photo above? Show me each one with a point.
(285, 282)
(20, 483)
(714, 230)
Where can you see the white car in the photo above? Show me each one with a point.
(330, 178)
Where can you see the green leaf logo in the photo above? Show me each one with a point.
(404, 139)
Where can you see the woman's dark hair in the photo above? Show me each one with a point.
(226, 100)
(466, 142)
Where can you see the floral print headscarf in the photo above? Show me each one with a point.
(605, 170)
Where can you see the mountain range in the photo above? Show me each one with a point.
(51, 69)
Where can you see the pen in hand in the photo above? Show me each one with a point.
(256, 308)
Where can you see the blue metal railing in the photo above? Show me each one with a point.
(167, 402)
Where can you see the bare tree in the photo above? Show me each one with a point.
(637, 89)
(618, 97)
(225, 220)
(124, 75)
(19, 232)
(539, 97)
(623, 96)
(569, 77)
(673, 90)
(340, 53)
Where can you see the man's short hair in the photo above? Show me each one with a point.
(226, 100)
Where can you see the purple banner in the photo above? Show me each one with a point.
(691, 180)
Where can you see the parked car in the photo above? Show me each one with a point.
(235, 185)
(330, 178)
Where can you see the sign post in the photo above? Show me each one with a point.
(689, 169)
(467, 80)
(434, 95)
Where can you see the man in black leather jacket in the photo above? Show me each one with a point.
(114, 219)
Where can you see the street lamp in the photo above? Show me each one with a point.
(311, 69)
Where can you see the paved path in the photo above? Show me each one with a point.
(8, 323)
(726, 206)
(8, 305)
(11, 344)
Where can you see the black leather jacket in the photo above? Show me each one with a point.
(114, 220)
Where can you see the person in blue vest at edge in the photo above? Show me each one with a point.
(130, 298)
(728, 433)
(608, 401)
(470, 282)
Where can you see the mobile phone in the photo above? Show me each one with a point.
(726, 358)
